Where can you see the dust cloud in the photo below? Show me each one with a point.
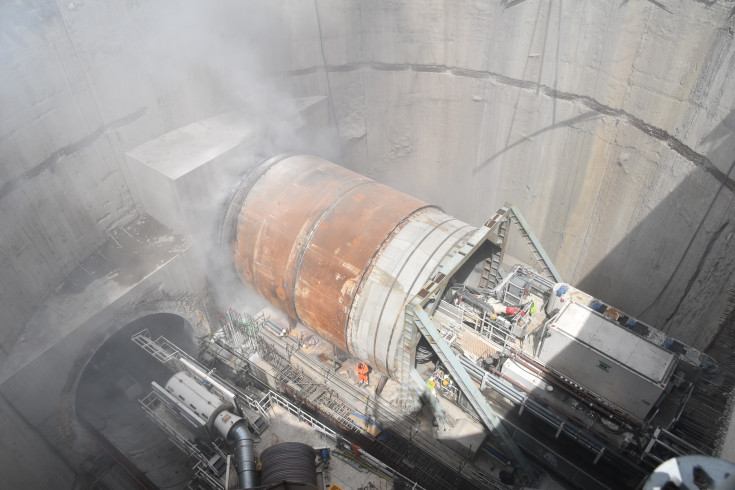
(233, 54)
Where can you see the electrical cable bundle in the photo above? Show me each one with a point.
(423, 354)
(288, 461)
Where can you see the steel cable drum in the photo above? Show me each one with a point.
(291, 462)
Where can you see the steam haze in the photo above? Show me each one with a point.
(233, 58)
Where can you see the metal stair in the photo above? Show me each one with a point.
(260, 425)
(498, 227)
(537, 251)
(163, 355)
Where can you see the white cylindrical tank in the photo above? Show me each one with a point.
(195, 396)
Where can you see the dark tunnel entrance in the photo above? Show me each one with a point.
(134, 452)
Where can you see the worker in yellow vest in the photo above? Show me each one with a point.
(432, 386)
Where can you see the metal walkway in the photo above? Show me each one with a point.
(170, 355)
(429, 457)
(176, 359)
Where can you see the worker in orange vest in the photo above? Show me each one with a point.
(362, 373)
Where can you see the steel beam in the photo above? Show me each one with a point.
(487, 415)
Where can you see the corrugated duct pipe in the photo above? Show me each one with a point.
(242, 442)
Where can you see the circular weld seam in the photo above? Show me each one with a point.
(370, 265)
(408, 292)
(312, 232)
(228, 229)
(263, 169)
(395, 280)
(256, 248)
(230, 222)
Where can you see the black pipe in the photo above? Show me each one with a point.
(244, 454)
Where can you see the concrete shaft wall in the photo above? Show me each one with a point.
(80, 86)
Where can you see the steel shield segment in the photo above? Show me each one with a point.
(275, 220)
(340, 252)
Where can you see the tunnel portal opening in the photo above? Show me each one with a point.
(134, 452)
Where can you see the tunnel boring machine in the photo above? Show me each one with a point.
(339, 252)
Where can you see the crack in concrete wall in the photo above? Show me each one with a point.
(659, 134)
(700, 265)
(69, 149)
